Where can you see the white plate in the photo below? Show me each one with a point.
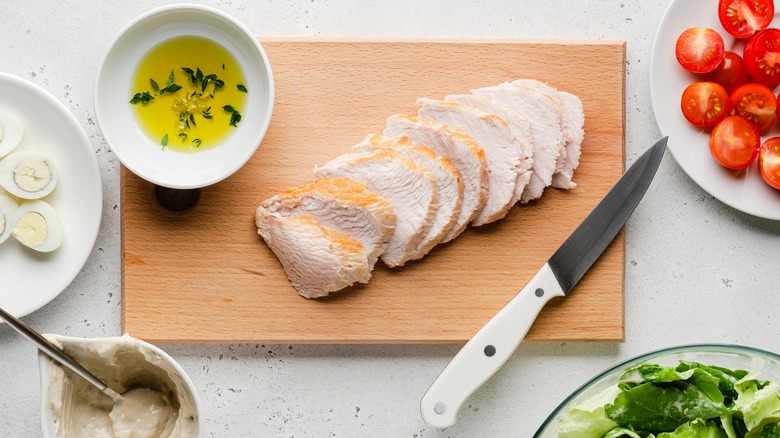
(30, 279)
(744, 190)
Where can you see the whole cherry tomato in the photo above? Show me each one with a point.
(730, 73)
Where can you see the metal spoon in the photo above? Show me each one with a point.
(58, 355)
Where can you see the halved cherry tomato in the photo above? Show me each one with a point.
(730, 73)
(756, 103)
(762, 57)
(769, 161)
(743, 18)
(734, 142)
(699, 50)
(705, 104)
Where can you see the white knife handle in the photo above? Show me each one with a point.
(487, 350)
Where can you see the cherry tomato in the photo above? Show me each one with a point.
(769, 161)
(762, 57)
(699, 50)
(743, 18)
(705, 104)
(734, 142)
(730, 73)
(756, 103)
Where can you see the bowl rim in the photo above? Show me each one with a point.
(706, 347)
(44, 362)
(239, 163)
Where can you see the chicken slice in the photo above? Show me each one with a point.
(574, 120)
(519, 126)
(545, 129)
(317, 260)
(341, 204)
(491, 134)
(409, 187)
(447, 180)
(552, 94)
(458, 147)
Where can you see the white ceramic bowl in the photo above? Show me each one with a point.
(144, 156)
(46, 364)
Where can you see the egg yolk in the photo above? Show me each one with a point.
(31, 229)
(32, 175)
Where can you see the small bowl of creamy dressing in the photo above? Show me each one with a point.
(158, 398)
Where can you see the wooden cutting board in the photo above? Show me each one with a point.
(205, 276)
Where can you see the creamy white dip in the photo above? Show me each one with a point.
(156, 402)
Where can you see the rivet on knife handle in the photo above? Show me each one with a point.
(487, 350)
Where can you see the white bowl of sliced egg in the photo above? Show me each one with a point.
(51, 196)
(28, 176)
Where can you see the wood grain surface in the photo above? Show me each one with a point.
(205, 276)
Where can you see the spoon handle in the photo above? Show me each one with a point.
(50, 349)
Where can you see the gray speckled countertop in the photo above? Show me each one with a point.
(696, 271)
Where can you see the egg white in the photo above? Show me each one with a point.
(12, 133)
(54, 235)
(7, 210)
(7, 181)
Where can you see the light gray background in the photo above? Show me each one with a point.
(696, 270)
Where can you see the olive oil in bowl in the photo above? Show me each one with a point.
(187, 94)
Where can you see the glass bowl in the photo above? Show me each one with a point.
(728, 356)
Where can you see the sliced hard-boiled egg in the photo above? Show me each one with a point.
(28, 174)
(11, 133)
(7, 210)
(38, 226)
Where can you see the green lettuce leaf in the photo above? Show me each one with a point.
(771, 430)
(621, 432)
(727, 378)
(588, 420)
(696, 429)
(757, 404)
(701, 378)
(767, 429)
(652, 408)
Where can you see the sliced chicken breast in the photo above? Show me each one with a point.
(317, 260)
(545, 118)
(409, 187)
(552, 94)
(462, 151)
(447, 179)
(343, 205)
(492, 134)
(574, 121)
(519, 126)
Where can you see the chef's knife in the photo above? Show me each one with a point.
(495, 342)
